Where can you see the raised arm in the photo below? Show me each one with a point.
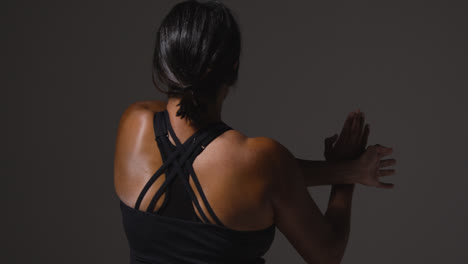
(317, 237)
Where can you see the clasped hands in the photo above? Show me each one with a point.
(367, 161)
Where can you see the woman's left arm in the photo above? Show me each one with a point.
(323, 172)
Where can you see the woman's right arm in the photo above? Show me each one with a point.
(317, 237)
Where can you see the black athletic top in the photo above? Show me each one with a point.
(174, 233)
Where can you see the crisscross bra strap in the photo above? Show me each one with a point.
(180, 160)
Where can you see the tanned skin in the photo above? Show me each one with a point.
(231, 178)
(252, 183)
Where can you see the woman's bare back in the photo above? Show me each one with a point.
(233, 180)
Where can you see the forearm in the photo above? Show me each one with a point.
(320, 172)
(339, 215)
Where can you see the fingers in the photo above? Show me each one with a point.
(357, 129)
(386, 172)
(354, 133)
(344, 135)
(383, 151)
(361, 123)
(385, 185)
(363, 131)
(387, 162)
(365, 136)
(329, 142)
(355, 122)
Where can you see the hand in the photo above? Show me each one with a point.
(352, 141)
(369, 165)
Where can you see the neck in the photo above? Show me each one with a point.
(213, 114)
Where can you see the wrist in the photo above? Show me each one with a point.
(355, 169)
(345, 171)
(351, 171)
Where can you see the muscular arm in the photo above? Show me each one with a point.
(318, 237)
(341, 175)
(321, 172)
(339, 214)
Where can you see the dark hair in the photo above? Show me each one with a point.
(197, 46)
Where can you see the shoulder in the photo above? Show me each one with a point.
(269, 151)
(264, 165)
(266, 158)
(140, 114)
(136, 127)
(134, 143)
(274, 162)
(253, 150)
(142, 109)
(249, 159)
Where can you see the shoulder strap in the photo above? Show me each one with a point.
(188, 148)
(183, 153)
(199, 141)
(215, 133)
(172, 156)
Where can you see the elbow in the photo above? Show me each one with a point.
(332, 252)
(336, 259)
(332, 256)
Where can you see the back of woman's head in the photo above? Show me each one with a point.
(197, 46)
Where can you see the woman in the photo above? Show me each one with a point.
(194, 190)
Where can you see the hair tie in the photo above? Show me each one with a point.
(191, 90)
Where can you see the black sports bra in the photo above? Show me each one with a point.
(174, 233)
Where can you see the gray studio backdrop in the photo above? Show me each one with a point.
(72, 67)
